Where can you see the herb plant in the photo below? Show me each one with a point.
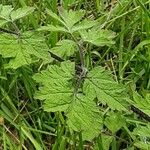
(66, 73)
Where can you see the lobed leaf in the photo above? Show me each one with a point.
(71, 21)
(57, 91)
(142, 145)
(21, 12)
(105, 141)
(55, 16)
(5, 11)
(100, 84)
(142, 104)
(21, 49)
(83, 25)
(8, 14)
(84, 116)
(64, 48)
(98, 37)
(71, 17)
(115, 121)
(143, 132)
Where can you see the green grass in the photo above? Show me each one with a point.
(24, 125)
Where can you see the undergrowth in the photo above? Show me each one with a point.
(75, 74)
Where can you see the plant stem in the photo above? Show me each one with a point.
(8, 31)
(80, 52)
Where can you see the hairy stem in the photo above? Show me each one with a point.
(80, 52)
(8, 31)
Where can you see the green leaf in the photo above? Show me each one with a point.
(64, 48)
(21, 12)
(57, 91)
(52, 28)
(99, 83)
(114, 122)
(55, 16)
(5, 11)
(142, 145)
(105, 141)
(8, 14)
(85, 24)
(142, 104)
(68, 3)
(98, 37)
(3, 22)
(82, 113)
(71, 17)
(143, 131)
(71, 21)
(21, 49)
